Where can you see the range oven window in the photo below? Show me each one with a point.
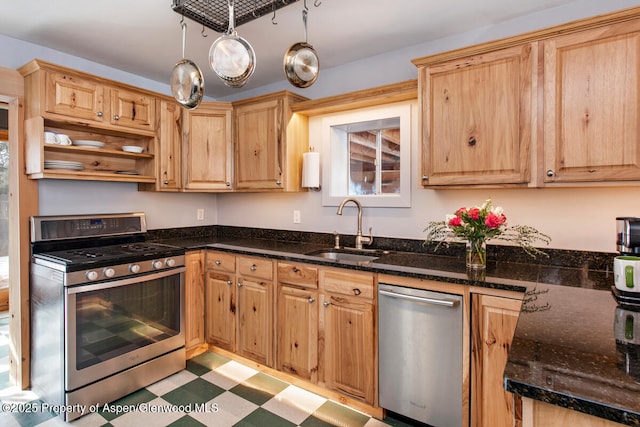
(117, 320)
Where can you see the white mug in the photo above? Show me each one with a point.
(626, 273)
(50, 137)
(63, 139)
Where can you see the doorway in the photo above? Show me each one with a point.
(5, 380)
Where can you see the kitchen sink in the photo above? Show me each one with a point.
(355, 255)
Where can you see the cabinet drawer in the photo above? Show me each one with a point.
(221, 261)
(256, 267)
(298, 274)
(348, 283)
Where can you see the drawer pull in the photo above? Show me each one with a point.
(116, 117)
(312, 300)
(253, 267)
(357, 291)
(296, 269)
(218, 262)
(229, 282)
(99, 114)
(326, 303)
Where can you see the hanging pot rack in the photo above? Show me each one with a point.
(214, 14)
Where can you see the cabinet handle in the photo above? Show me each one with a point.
(312, 300)
(99, 114)
(357, 291)
(218, 262)
(166, 182)
(295, 269)
(278, 182)
(550, 173)
(472, 141)
(425, 177)
(116, 117)
(326, 303)
(229, 282)
(239, 284)
(228, 184)
(253, 267)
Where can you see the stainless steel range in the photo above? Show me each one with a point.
(107, 309)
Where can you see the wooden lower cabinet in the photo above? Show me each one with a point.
(297, 320)
(493, 324)
(221, 309)
(194, 302)
(239, 305)
(348, 345)
(540, 414)
(254, 331)
(297, 332)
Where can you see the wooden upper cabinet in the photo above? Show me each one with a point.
(169, 146)
(132, 109)
(74, 96)
(477, 117)
(67, 94)
(207, 147)
(269, 142)
(591, 98)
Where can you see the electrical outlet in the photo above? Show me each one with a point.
(296, 216)
(200, 214)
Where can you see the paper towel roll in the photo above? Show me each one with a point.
(311, 169)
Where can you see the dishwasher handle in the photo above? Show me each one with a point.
(436, 301)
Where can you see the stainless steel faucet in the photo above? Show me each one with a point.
(360, 239)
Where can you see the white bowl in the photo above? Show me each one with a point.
(132, 149)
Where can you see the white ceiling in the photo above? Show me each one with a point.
(144, 37)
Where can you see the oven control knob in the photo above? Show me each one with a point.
(134, 268)
(157, 264)
(91, 275)
(170, 262)
(109, 272)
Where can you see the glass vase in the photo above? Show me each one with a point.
(476, 254)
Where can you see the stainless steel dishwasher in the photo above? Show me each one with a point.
(420, 354)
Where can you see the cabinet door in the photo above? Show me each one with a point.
(208, 148)
(349, 346)
(259, 134)
(73, 96)
(591, 105)
(297, 332)
(494, 322)
(477, 118)
(254, 338)
(194, 299)
(221, 309)
(132, 109)
(169, 147)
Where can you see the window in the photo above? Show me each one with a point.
(366, 154)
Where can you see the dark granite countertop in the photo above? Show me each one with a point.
(564, 349)
(577, 348)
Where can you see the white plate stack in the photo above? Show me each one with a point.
(63, 164)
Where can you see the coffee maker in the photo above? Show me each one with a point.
(628, 235)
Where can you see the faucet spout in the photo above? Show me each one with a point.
(360, 239)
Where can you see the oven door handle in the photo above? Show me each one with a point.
(124, 282)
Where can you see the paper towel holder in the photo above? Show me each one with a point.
(311, 170)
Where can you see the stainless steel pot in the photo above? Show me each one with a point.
(301, 64)
(231, 57)
(187, 81)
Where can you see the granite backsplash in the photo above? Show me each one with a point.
(599, 261)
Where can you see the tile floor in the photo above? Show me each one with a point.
(227, 394)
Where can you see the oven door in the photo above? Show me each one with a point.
(115, 325)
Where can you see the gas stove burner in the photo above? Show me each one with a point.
(86, 254)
